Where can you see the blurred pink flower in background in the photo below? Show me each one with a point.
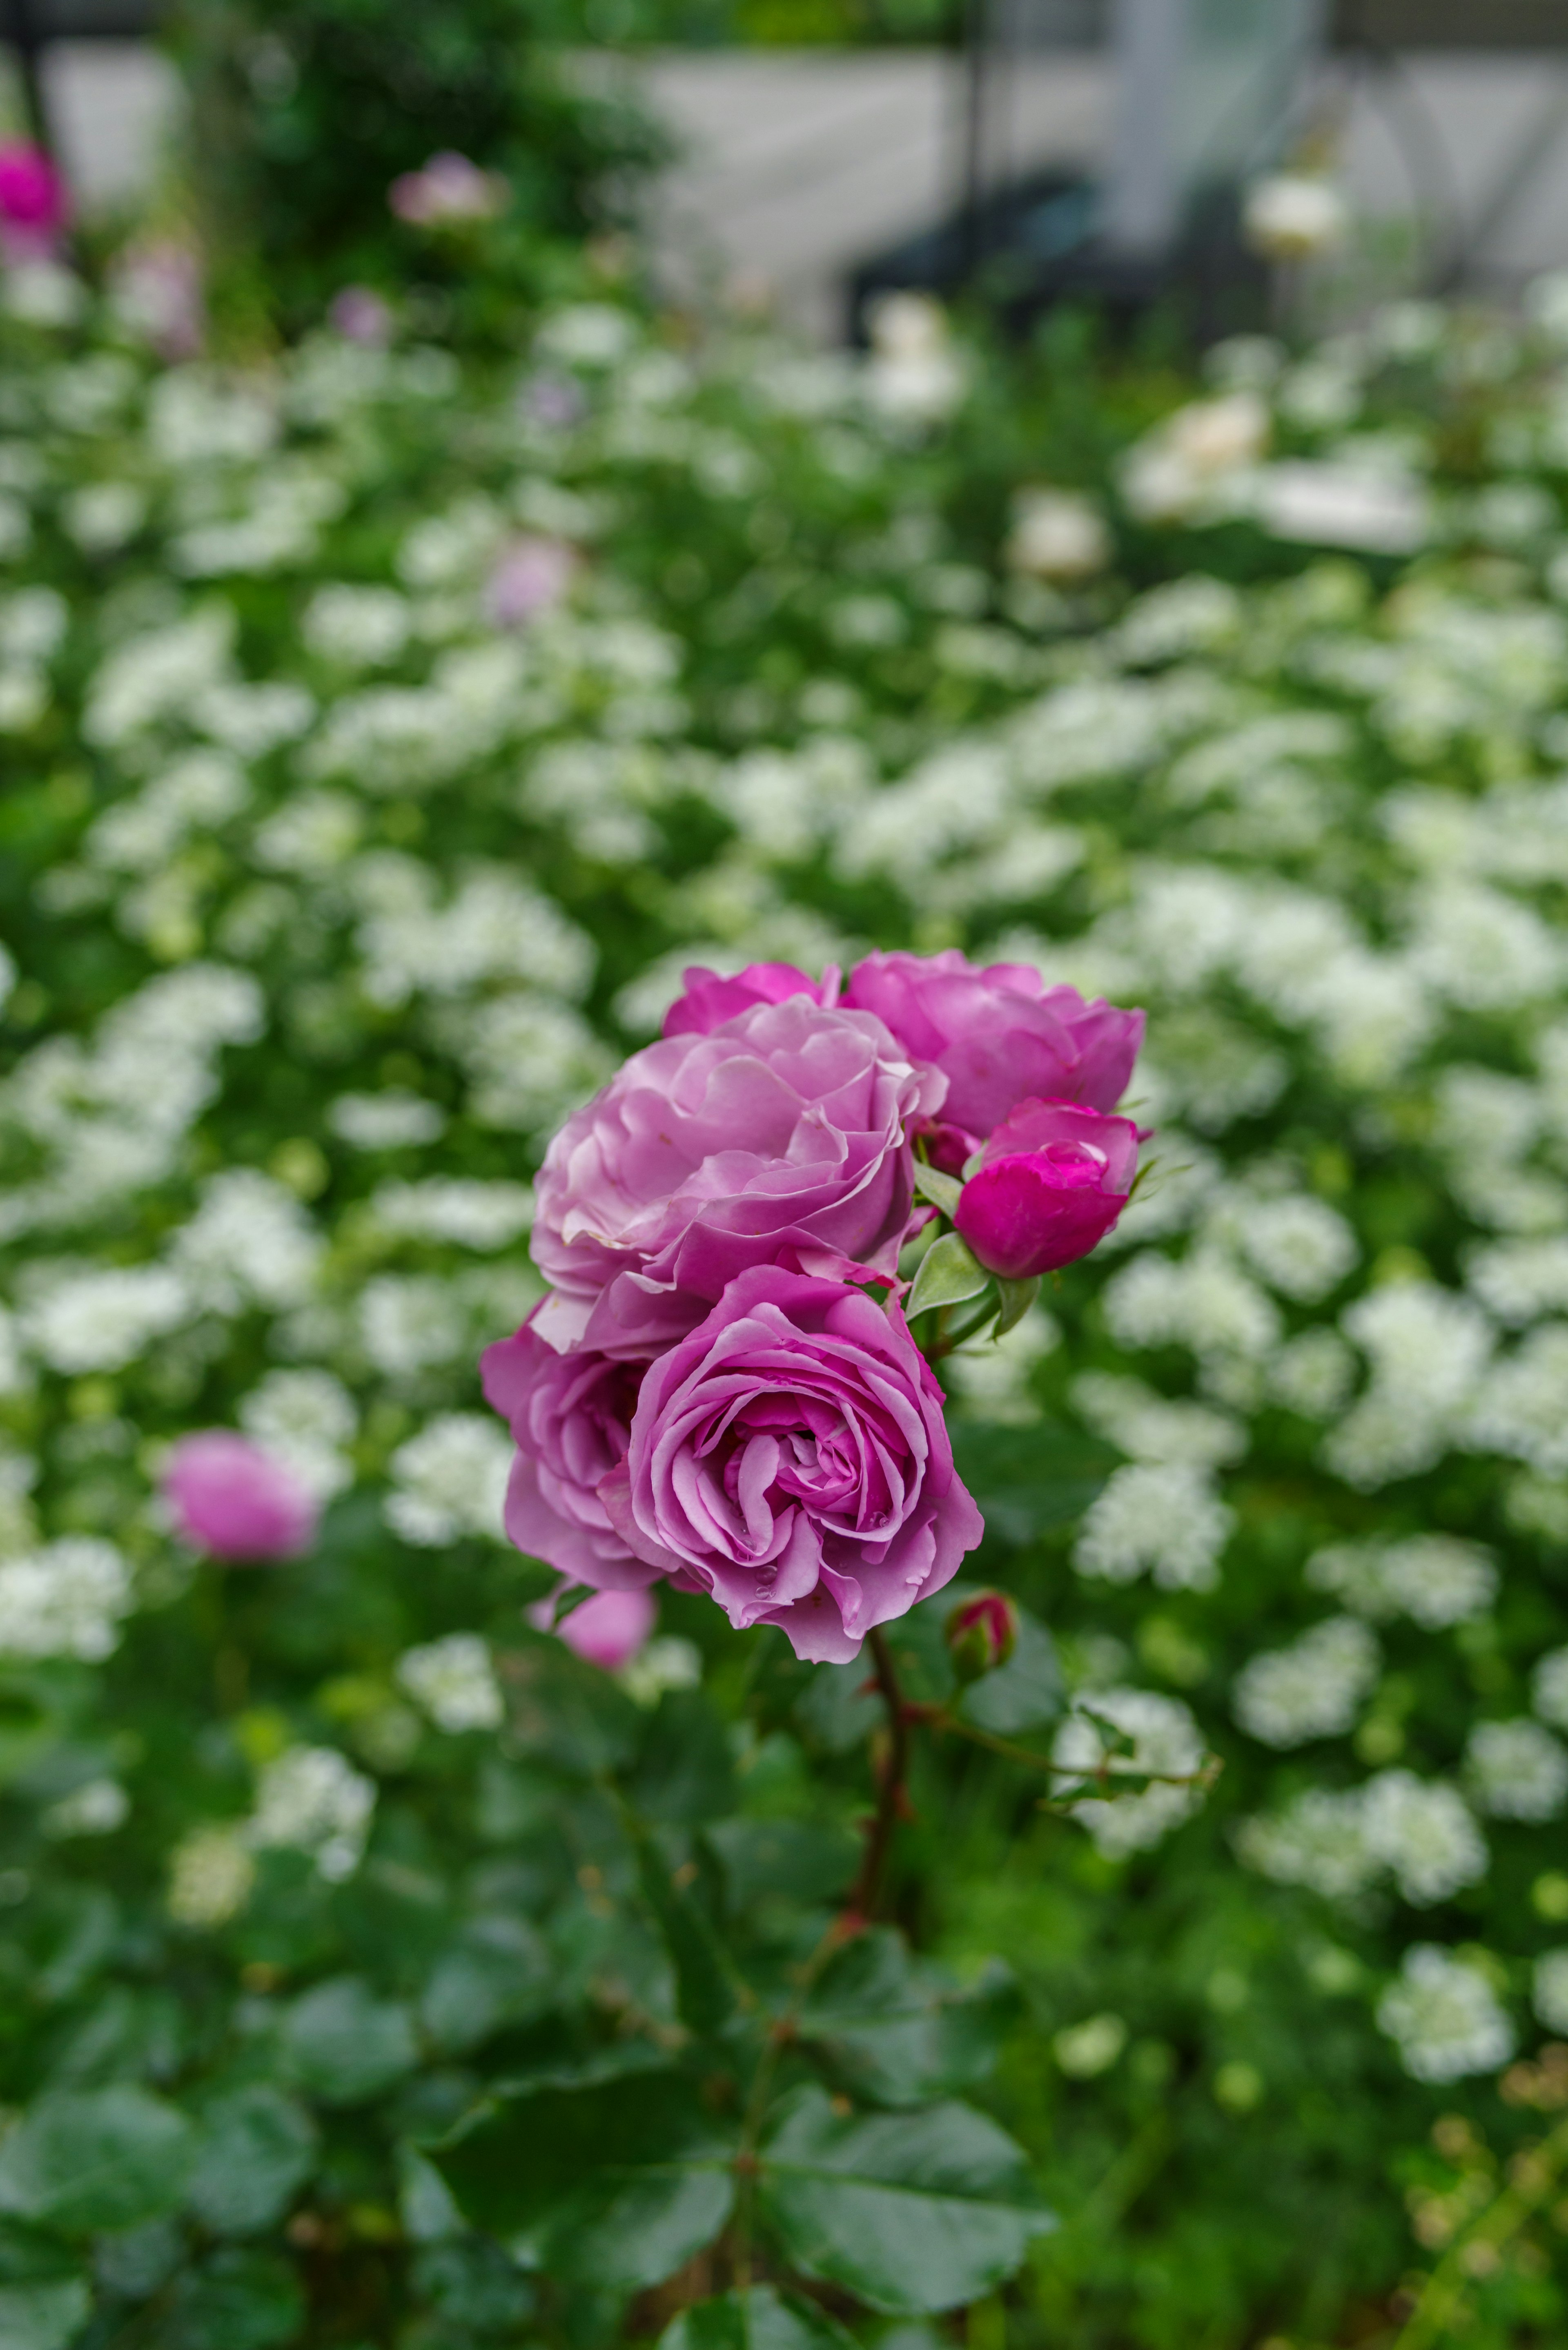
(231, 1498)
(530, 575)
(607, 1630)
(448, 192)
(360, 316)
(157, 292)
(34, 204)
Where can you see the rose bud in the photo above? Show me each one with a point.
(606, 1630)
(981, 1633)
(236, 1502)
(1052, 1181)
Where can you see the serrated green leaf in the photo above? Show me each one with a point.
(238, 2301)
(99, 2159)
(615, 2186)
(1017, 1297)
(494, 1972)
(42, 2316)
(910, 2212)
(343, 2044)
(256, 2147)
(949, 1273)
(759, 2319)
(1027, 1480)
(896, 2029)
(800, 1859)
(704, 1985)
(941, 1190)
(685, 1774)
(1025, 1693)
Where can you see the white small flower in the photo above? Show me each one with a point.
(102, 1320)
(1549, 1688)
(660, 1665)
(468, 1213)
(1444, 2017)
(304, 1419)
(1154, 1428)
(1549, 1990)
(1298, 1245)
(410, 1323)
(1423, 1832)
(1162, 1519)
(211, 1874)
(1517, 1770)
(1294, 216)
(1165, 1740)
(454, 1681)
(1318, 1841)
(1438, 1580)
(393, 1120)
(64, 1600)
(449, 1479)
(1313, 1374)
(249, 1244)
(97, 1808)
(358, 627)
(1314, 1689)
(1057, 535)
(313, 1800)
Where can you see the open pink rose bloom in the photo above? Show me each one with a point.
(236, 1502)
(720, 1392)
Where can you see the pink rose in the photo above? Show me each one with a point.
(790, 1458)
(33, 203)
(710, 1000)
(1053, 1179)
(998, 1036)
(570, 1416)
(782, 1131)
(450, 190)
(231, 1498)
(606, 1630)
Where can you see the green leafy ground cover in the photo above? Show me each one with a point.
(325, 896)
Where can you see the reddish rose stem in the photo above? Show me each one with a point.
(892, 1798)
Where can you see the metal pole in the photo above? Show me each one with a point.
(976, 63)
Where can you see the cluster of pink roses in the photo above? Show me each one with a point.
(712, 1393)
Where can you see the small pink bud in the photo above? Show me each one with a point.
(34, 206)
(231, 1498)
(981, 1633)
(359, 314)
(1053, 1179)
(606, 1630)
(531, 576)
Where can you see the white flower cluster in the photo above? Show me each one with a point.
(1314, 1688)
(68, 1600)
(449, 1479)
(1444, 2017)
(1338, 1841)
(311, 1800)
(454, 1681)
(1163, 1519)
(1164, 1739)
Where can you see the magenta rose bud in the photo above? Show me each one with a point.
(1053, 1179)
(981, 1634)
(790, 1459)
(998, 1036)
(606, 1630)
(33, 203)
(710, 1000)
(233, 1500)
(783, 1134)
(570, 1416)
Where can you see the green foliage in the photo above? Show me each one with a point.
(303, 114)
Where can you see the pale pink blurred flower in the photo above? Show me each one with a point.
(360, 316)
(607, 1630)
(449, 191)
(157, 292)
(530, 575)
(34, 204)
(233, 1500)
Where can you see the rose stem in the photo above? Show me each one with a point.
(890, 1794)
